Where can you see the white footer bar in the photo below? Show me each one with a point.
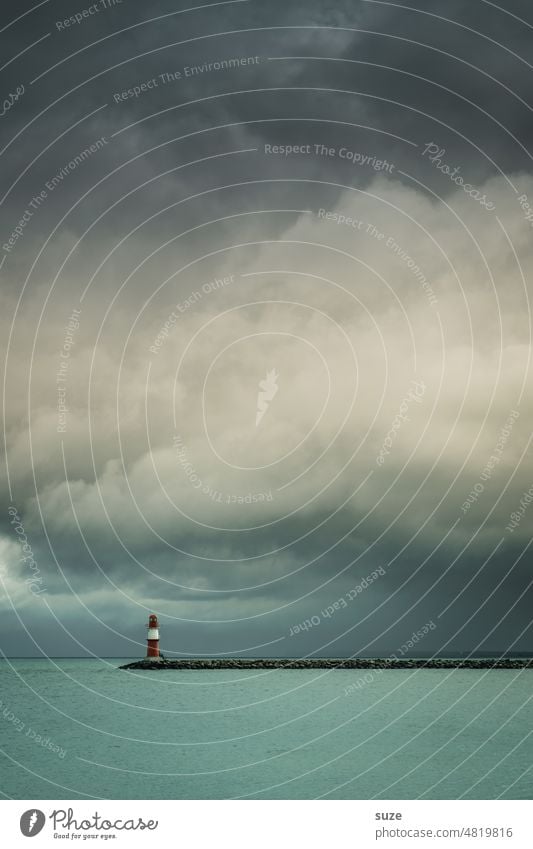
(267, 824)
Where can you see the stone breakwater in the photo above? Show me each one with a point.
(332, 663)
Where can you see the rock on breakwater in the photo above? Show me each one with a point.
(331, 663)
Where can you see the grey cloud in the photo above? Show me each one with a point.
(470, 346)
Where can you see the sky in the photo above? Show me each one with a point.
(266, 327)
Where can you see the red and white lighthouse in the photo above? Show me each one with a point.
(152, 642)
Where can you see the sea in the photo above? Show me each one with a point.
(82, 729)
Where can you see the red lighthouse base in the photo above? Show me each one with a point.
(152, 648)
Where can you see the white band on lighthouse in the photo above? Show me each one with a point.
(153, 634)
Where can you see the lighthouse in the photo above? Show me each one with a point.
(152, 642)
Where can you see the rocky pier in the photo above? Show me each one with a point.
(241, 663)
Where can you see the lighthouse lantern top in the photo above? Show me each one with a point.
(152, 621)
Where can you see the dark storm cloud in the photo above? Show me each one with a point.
(387, 98)
(375, 79)
(394, 64)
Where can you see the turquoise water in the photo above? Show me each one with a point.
(81, 728)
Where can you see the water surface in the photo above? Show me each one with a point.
(81, 728)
